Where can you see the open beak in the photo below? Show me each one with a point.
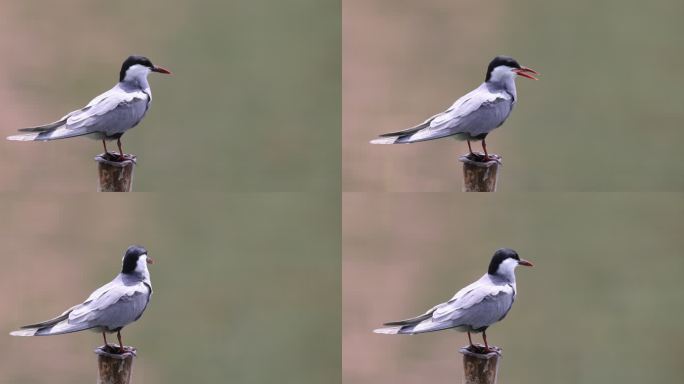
(161, 70)
(526, 72)
(150, 260)
(525, 263)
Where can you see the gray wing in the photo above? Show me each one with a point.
(479, 304)
(111, 113)
(475, 119)
(413, 320)
(483, 314)
(112, 306)
(476, 113)
(116, 308)
(475, 306)
(114, 114)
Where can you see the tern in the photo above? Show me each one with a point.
(473, 116)
(109, 115)
(108, 309)
(474, 308)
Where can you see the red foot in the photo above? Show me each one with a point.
(481, 349)
(115, 349)
(479, 157)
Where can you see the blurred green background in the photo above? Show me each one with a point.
(605, 116)
(246, 286)
(601, 305)
(253, 105)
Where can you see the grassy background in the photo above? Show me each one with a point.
(254, 103)
(247, 286)
(601, 304)
(605, 116)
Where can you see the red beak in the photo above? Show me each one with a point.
(526, 72)
(525, 263)
(161, 70)
(150, 260)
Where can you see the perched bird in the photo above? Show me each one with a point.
(108, 309)
(109, 115)
(473, 308)
(474, 115)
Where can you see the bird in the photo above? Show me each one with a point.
(473, 116)
(474, 308)
(109, 115)
(108, 309)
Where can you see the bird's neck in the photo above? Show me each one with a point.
(137, 276)
(506, 84)
(139, 82)
(146, 278)
(507, 277)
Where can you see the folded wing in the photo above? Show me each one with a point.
(110, 307)
(112, 112)
(476, 113)
(474, 307)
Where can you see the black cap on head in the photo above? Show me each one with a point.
(499, 256)
(501, 60)
(130, 259)
(133, 60)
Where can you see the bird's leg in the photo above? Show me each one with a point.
(104, 144)
(121, 154)
(471, 152)
(104, 336)
(121, 346)
(484, 146)
(484, 337)
(470, 341)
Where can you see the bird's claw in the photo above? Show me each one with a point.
(481, 349)
(476, 156)
(115, 349)
(477, 349)
(483, 158)
(113, 156)
(116, 157)
(110, 348)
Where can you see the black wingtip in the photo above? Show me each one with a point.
(395, 323)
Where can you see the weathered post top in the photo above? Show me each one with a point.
(479, 175)
(479, 366)
(115, 175)
(114, 367)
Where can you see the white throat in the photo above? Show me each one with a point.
(504, 77)
(506, 269)
(141, 268)
(138, 74)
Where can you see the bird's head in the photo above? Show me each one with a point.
(135, 261)
(137, 67)
(504, 67)
(504, 262)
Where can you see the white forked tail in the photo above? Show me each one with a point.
(25, 332)
(387, 330)
(24, 137)
(385, 140)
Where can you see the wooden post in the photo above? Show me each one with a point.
(479, 367)
(114, 367)
(478, 175)
(116, 175)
